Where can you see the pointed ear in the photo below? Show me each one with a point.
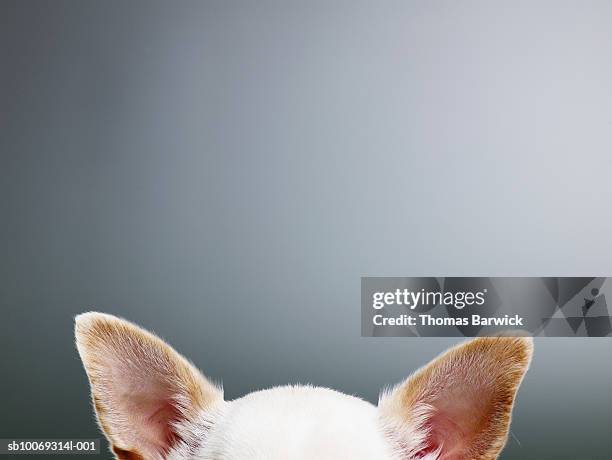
(141, 388)
(459, 406)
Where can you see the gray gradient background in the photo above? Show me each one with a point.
(224, 172)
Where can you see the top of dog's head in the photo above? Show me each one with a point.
(153, 404)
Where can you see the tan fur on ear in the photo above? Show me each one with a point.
(141, 387)
(461, 403)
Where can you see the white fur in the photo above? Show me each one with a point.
(297, 422)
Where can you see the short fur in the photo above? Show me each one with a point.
(151, 403)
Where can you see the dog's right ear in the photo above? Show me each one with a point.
(459, 406)
(142, 389)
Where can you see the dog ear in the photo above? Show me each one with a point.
(142, 389)
(459, 406)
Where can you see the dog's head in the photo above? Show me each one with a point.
(153, 404)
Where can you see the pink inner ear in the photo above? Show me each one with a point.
(446, 436)
(159, 426)
(457, 417)
(150, 408)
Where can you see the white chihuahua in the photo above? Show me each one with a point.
(153, 404)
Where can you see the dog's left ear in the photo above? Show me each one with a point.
(459, 406)
(141, 388)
